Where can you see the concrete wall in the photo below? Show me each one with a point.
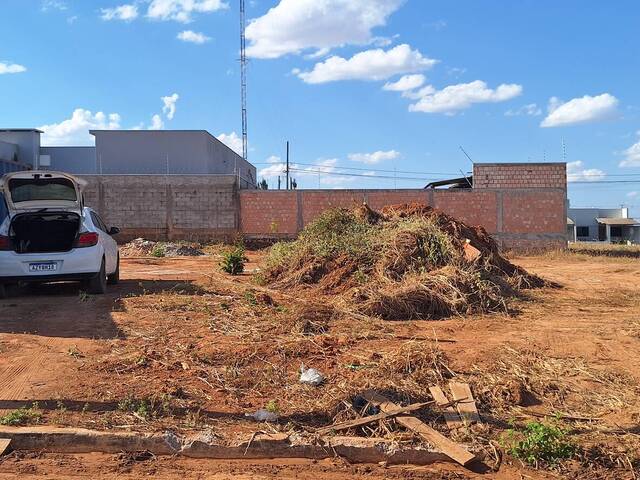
(184, 152)
(181, 207)
(28, 142)
(75, 160)
(519, 216)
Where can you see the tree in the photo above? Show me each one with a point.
(263, 185)
(294, 184)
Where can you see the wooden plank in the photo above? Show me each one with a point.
(452, 449)
(4, 444)
(466, 405)
(358, 422)
(450, 415)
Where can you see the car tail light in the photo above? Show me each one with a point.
(88, 239)
(5, 243)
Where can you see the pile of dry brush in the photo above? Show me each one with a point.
(404, 262)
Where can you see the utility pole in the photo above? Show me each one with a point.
(278, 182)
(287, 171)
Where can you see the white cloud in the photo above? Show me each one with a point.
(374, 158)
(577, 173)
(73, 19)
(293, 26)
(182, 10)
(169, 107)
(369, 65)
(193, 37)
(631, 155)
(75, 130)
(126, 13)
(231, 140)
(531, 110)
(453, 98)
(633, 194)
(324, 171)
(156, 123)
(53, 5)
(274, 159)
(580, 110)
(6, 68)
(407, 82)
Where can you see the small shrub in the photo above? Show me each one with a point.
(540, 443)
(250, 298)
(233, 261)
(22, 416)
(158, 251)
(272, 406)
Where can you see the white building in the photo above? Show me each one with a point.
(610, 225)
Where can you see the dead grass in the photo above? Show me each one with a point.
(407, 262)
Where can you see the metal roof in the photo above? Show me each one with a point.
(21, 130)
(617, 221)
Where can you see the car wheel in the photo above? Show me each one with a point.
(114, 278)
(98, 284)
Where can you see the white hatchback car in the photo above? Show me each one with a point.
(48, 235)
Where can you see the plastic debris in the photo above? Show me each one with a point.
(263, 415)
(310, 376)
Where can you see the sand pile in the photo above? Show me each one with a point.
(404, 262)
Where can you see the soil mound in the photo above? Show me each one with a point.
(143, 248)
(404, 262)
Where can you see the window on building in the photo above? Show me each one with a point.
(582, 231)
(616, 231)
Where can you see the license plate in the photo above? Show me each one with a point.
(43, 267)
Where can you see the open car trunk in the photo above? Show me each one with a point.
(41, 232)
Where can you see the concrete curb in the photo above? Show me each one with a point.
(262, 446)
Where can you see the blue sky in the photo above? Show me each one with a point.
(366, 87)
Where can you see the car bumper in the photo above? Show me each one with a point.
(77, 264)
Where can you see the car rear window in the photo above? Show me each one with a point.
(34, 189)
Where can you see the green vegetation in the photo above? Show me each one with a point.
(22, 416)
(158, 251)
(233, 261)
(540, 443)
(272, 406)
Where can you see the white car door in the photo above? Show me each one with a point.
(109, 245)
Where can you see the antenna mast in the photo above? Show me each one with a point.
(243, 78)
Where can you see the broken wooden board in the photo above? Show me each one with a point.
(450, 414)
(467, 405)
(358, 422)
(450, 448)
(4, 444)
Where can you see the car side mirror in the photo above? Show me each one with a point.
(113, 231)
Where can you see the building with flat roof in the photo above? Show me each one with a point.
(128, 152)
(610, 225)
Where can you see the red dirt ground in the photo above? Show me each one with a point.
(89, 353)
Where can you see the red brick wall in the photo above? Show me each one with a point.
(522, 205)
(268, 212)
(470, 206)
(520, 175)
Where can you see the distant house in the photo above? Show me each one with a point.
(610, 225)
(128, 152)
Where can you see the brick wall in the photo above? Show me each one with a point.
(166, 207)
(520, 175)
(522, 205)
